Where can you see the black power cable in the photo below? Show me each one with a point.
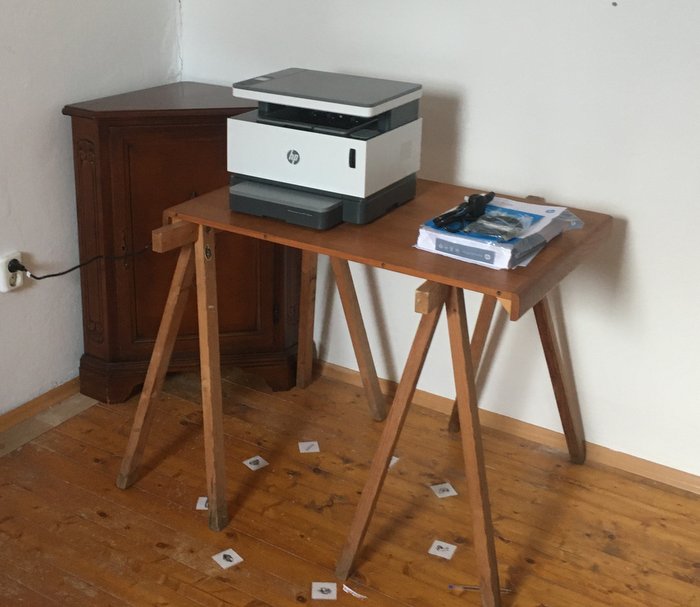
(15, 266)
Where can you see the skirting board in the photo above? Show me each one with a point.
(24, 423)
(549, 438)
(40, 403)
(555, 440)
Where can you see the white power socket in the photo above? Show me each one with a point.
(10, 280)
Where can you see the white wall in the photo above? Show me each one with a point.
(587, 102)
(55, 52)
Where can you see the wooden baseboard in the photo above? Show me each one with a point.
(555, 440)
(39, 404)
(594, 453)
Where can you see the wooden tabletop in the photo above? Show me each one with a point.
(389, 241)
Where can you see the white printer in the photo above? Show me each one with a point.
(324, 147)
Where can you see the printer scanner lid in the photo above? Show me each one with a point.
(328, 91)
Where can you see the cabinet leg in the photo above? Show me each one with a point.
(160, 359)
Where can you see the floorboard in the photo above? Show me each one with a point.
(566, 535)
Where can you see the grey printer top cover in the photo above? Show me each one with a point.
(328, 91)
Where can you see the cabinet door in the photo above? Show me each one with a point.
(155, 167)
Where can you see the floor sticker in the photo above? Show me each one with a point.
(442, 549)
(310, 446)
(443, 490)
(227, 558)
(255, 463)
(324, 591)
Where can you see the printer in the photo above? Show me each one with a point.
(324, 147)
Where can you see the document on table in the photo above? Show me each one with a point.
(541, 224)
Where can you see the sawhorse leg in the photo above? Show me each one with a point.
(390, 435)
(160, 359)
(478, 342)
(307, 304)
(452, 299)
(562, 383)
(569, 410)
(472, 448)
(358, 336)
(356, 327)
(210, 367)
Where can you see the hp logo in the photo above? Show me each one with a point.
(293, 157)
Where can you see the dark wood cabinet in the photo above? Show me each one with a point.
(135, 155)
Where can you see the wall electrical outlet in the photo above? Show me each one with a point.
(10, 280)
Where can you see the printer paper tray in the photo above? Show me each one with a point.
(293, 206)
(314, 209)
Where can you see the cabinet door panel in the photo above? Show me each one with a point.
(159, 168)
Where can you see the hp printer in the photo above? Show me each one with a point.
(324, 147)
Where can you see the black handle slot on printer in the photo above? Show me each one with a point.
(351, 158)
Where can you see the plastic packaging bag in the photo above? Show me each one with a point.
(500, 226)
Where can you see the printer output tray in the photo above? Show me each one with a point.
(316, 209)
(290, 205)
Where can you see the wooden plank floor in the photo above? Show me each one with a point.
(566, 535)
